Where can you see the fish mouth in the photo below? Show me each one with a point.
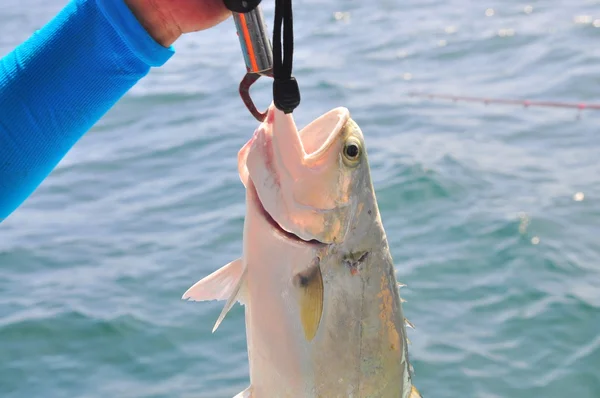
(317, 136)
(293, 188)
(275, 226)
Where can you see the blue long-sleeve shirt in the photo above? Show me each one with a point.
(56, 85)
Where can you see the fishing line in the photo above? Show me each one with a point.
(525, 103)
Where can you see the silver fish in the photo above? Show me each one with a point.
(323, 312)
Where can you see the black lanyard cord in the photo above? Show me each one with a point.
(286, 93)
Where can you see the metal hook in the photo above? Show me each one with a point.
(245, 84)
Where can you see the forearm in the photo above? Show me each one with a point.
(58, 84)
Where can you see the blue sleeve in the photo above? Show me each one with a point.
(55, 86)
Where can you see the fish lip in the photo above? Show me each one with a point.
(340, 116)
(275, 225)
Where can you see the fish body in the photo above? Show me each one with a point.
(323, 313)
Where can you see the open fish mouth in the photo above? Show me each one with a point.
(320, 133)
(297, 177)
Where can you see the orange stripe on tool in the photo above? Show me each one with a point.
(248, 43)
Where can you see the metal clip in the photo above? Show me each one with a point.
(257, 52)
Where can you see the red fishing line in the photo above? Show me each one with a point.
(524, 103)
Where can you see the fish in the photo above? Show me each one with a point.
(322, 307)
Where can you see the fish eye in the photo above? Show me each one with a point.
(352, 150)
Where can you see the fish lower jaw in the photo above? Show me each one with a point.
(276, 226)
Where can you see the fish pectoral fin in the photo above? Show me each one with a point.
(310, 285)
(238, 294)
(247, 393)
(224, 284)
(217, 286)
(414, 393)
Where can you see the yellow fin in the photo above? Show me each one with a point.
(310, 284)
(414, 393)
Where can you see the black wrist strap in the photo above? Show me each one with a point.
(286, 93)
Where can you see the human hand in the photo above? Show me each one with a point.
(167, 20)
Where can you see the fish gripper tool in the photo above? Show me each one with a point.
(256, 47)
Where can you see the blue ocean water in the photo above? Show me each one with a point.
(492, 212)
